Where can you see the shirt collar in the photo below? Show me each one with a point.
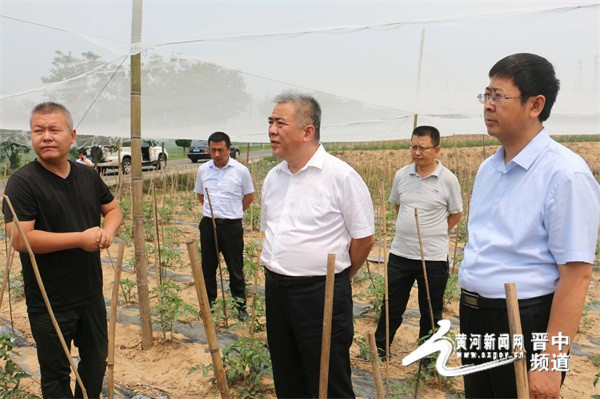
(412, 169)
(316, 161)
(527, 155)
(212, 164)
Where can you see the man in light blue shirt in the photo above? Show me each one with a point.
(533, 221)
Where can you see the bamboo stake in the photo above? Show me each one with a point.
(375, 365)
(38, 277)
(386, 295)
(457, 231)
(156, 237)
(110, 361)
(137, 185)
(514, 323)
(428, 294)
(9, 259)
(209, 327)
(424, 271)
(119, 172)
(258, 255)
(327, 316)
(214, 224)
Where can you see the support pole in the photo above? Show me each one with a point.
(428, 296)
(209, 326)
(327, 316)
(514, 323)
(10, 252)
(375, 366)
(214, 224)
(110, 361)
(137, 184)
(386, 292)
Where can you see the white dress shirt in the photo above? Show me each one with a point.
(227, 186)
(312, 213)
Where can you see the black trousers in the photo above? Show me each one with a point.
(402, 273)
(84, 326)
(294, 334)
(499, 382)
(230, 237)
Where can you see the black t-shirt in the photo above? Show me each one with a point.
(71, 277)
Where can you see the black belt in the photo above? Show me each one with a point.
(475, 301)
(281, 280)
(224, 221)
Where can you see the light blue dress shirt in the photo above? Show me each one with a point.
(539, 211)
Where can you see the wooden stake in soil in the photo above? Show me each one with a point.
(386, 293)
(375, 366)
(137, 184)
(428, 296)
(214, 224)
(327, 315)
(112, 322)
(255, 290)
(209, 327)
(38, 277)
(10, 252)
(514, 323)
(457, 233)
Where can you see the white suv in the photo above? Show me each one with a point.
(106, 157)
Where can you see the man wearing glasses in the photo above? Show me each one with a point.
(429, 187)
(534, 222)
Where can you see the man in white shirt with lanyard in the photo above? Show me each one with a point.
(231, 192)
(533, 221)
(313, 204)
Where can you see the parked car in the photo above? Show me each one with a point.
(199, 150)
(106, 157)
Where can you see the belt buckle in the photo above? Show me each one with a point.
(470, 300)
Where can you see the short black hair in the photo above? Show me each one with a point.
(217, 137)
(533, 75)
(428, 131)
(50, 107)
(83, 151)
(308, 110)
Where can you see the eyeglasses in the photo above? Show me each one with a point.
(496, 98)
(416, 148)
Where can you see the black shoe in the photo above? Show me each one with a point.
(243, 315)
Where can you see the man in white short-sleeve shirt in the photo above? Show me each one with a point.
(231, 192)
(431, 188)
(313, 204)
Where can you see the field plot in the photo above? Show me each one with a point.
(178, 364)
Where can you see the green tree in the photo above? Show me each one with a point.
(84, 81)
(12, 153)
(183, 143)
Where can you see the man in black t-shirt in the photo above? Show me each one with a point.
(58, 203)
